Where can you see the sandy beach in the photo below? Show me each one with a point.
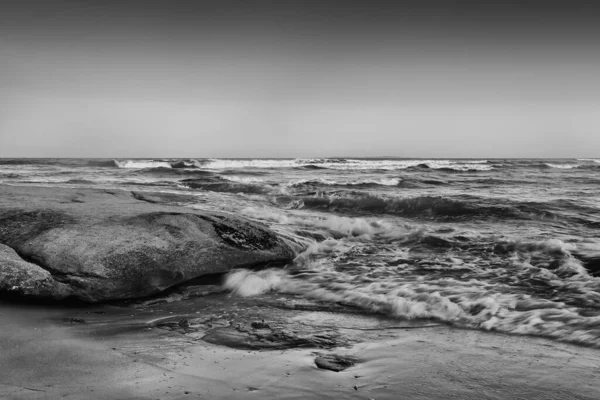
(118, 353)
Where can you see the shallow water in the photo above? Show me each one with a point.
(505, 245)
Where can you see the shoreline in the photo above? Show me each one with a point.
(44, 355)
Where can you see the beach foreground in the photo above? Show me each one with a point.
(119, 353)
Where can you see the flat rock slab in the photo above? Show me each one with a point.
(253, 324)
(99, 245)
(260, 323)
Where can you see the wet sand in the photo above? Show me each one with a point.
(129, 351)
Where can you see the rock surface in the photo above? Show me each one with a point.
(22, 279)
(101, 245)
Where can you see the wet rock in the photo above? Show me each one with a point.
(281, 337)
(112, 246)
(334, 362)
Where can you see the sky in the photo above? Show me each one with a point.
(150, 78)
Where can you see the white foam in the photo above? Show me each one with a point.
(475, 300)
(344, 226)
(249, 283)
(383, 181)
(348, 164)
(596, 160)
(142, 164)
(244, 179)
(563, 166)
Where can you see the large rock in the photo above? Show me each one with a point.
(103, 245)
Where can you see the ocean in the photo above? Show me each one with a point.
(506, 245)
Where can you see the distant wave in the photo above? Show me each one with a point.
(594, 160)
(356, 183)
(80, 182)
(595, 166)
(349, 164)
(437, 208)
(321, 161)
(102, 163)
(259, 185)
(141, 164)
(65, 162)
(425, 207)
(563, 166)
(20, 161)
(312, 166)
(312, 163)
(242, 172)
(167, 171)
(218, 184)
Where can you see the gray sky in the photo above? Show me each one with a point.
(298, 79)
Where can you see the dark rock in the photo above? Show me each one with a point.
(112, 246)
(334, 362)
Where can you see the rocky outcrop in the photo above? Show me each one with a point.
(103, 245)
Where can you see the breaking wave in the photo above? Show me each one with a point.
(351, 183)
(563, 166)
(552, 295)
(141, 164)
(219, 184)
(319, 163)
(421, 206)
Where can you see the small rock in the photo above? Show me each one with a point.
(75, 320)
(334, 362)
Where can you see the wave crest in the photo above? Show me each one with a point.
(422, 206)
